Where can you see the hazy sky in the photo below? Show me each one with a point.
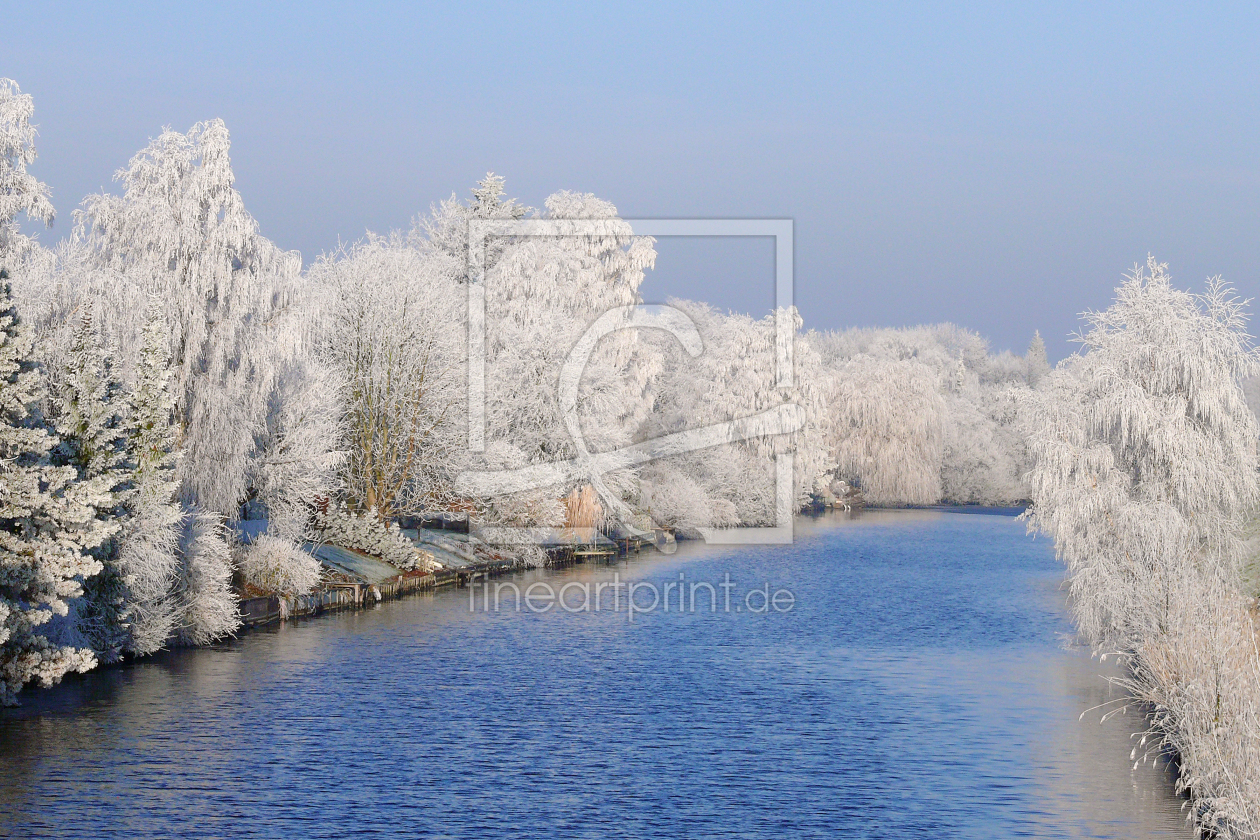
(995, 167)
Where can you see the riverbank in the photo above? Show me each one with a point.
(333, 596)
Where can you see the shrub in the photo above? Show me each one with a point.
(278, 566)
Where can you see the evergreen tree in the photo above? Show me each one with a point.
(147, 557)
(47, 525)
(89, 420)
(1037, 361)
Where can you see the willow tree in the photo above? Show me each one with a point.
(180, 231)
(886, 428)
(1146, 473)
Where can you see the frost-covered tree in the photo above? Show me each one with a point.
(983, 455)
(1145, 475)
(734, 376)
(297, 448)
(20, 192)
(48, 525)
(149, 541)
(542, 294)
(1036, 359)
(444, 232)
(207, 605)
(1149, 432)
(886, 428)
(180, 230)
(90, 418)
(393, 335)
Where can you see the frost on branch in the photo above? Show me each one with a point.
(277, 566)
(542, 294)
(886, 426)
(208, 606)
(20, 192)
(147, 556)
(48, 525)
(393, 336)
(89, 415)
(232, 301)
(367, 533)
(1146, 474)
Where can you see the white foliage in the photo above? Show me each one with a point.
(675, 500)
(296, 453)
(208, 606)
(20, 192)
(982, 457)
(180, 230)
(393, 334)
(90, 419)
(542, 294)
(1037, 362)
(886, 428)
(1145, 475)
(735, 376)
(47, 525)
(367, 533)
(147, 555)
(984, 454)
(277, 566)
(444, 232)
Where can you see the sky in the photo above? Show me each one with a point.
(998, 166)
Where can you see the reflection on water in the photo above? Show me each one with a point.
(917, 689)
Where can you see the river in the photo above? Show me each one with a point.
(915, 683)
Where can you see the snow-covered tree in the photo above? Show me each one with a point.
(20, 192)
(394, 336)
(886, 428)
(982, 454)
(1145, 475)
(542, 294)
(180, 230)
(207, 605)
(90, 419)
(147, 556)
(444, 232)
(1149, 432)
(48, 525)
(733, 377)
(1036, 359)
(296, 449)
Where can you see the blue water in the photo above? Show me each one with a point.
(919, 686)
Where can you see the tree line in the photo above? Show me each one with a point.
(167, 373)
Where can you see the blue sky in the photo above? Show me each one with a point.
(999, 167)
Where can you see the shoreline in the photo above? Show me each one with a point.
(267, 610)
